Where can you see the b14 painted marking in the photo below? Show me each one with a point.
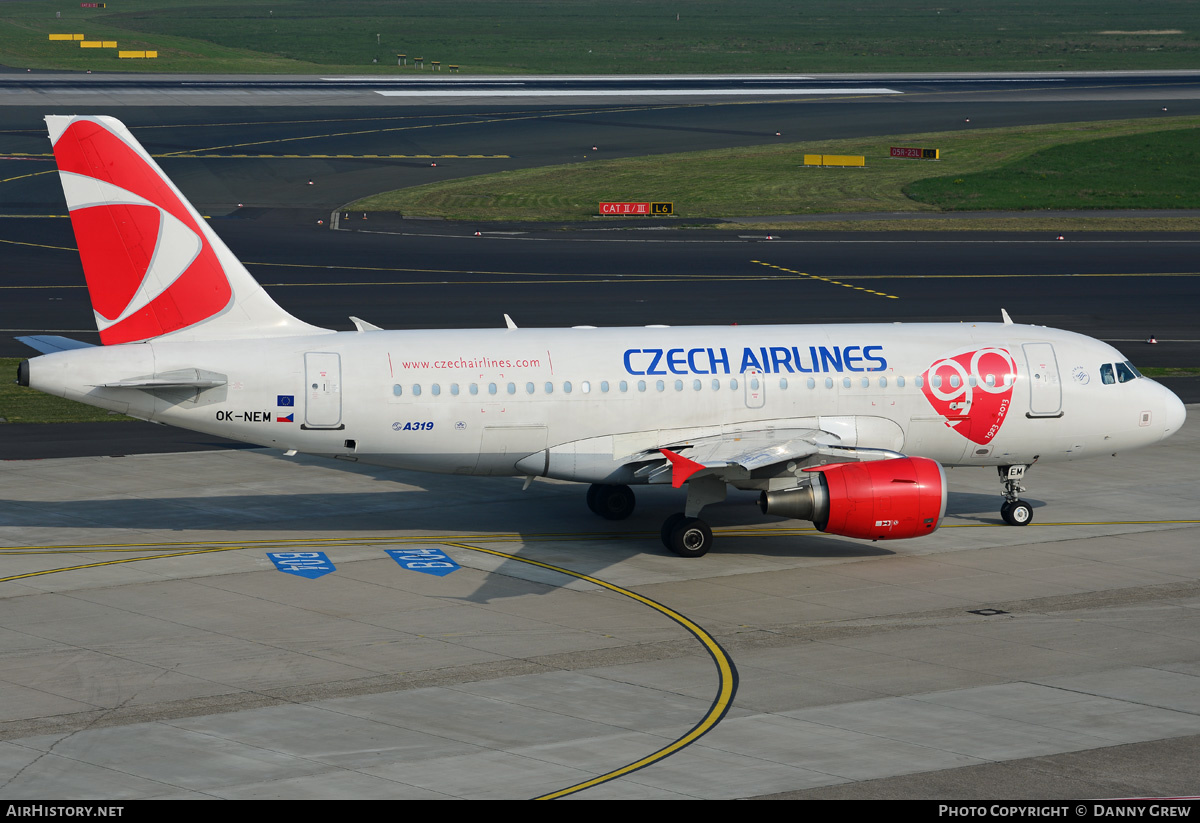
(302, 564)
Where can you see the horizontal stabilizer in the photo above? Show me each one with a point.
(49, 343)
(181, 379)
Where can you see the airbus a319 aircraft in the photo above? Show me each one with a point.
(848, 426)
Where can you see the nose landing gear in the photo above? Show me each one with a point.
(1016, 512)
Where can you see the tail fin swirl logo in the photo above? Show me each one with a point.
(973, 390)
(149, 268)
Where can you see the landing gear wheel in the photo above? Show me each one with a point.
(1017, 513)
(691, 538)
(669, 525)
(611, 502)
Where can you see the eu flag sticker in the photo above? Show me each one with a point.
(426, 561)
(286, 400)
(302, 564)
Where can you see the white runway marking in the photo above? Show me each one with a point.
(507, 92)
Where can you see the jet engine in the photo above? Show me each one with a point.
(877, 500)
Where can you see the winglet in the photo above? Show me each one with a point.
(1004, 316)
(508, 321)
(681, 467)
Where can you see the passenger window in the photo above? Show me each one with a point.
(733, 384)
(812, 384)
(783, 382)
(641, 385)
(512, 388)
(696, 384)
(623, 386)
(474, 388)
(491, 388)
(549, 388)
(660, 385)
(454, 389)
(1106, 374)
(567, 386)
(918, 381)
(846, 382)
(604, 386)
(899, 382)
(416, 389)
(883, 382)
(397, 390)
(716, 384)
(954, 381)
(866, 382)
(585, 387)
(829, 382)
(678, 385)
(435, 389)
(530, 388)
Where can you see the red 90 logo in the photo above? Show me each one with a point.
(973, 390)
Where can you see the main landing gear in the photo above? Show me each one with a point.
(683, 533)
(1016, 512)
(686, 536)
(611, 502)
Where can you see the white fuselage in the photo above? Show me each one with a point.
(577, 403)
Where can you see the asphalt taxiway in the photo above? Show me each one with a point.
(151, 649)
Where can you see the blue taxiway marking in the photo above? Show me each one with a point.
(427, 561)
(302, 564)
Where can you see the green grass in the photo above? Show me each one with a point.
(19, 404)
(766, 180)
(1160, 170)
(1170, 371)
(616, 36)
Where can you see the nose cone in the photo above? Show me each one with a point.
(1173, 413)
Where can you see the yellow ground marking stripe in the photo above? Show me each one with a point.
(827, 280)
(727, 684)
(31, 174)
(41, 246)
(115, 562)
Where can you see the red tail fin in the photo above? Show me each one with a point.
(153, 265)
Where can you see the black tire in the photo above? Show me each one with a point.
(614, 502)
(592, 492)
(1017, 513)
(669, 525)
(691, 538)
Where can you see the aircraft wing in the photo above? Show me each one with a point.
(735, 455)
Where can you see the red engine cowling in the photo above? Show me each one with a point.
(884, 499)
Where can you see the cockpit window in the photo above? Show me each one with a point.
(1106, 374)
(1134, 369)
(1125, 373)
